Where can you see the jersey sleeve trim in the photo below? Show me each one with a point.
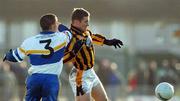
(45, 52)
(59, 46)
(22, 50)
(16, 56)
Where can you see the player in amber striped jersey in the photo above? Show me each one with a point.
(83, 80)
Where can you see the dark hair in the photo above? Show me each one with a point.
(47, 20)
(79, 14)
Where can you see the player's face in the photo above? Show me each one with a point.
(84, 23)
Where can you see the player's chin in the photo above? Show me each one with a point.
(86, 29)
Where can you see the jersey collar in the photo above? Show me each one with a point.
(78, 31)
(47, 32)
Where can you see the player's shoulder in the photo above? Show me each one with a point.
(30, 39)
(64, 34)
(60, 34)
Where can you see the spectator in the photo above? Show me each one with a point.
(176, 71)
(152, 76)
(142, 77)
(103, 70)
(115, 80)
(9, 83)
(132, 82)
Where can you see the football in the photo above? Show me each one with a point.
(164, 91)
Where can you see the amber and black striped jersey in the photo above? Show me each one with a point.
(84, 59)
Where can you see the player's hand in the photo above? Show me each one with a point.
(5, 56)
(78, 45)
(115, 42)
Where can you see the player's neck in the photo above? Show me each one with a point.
(77, 27)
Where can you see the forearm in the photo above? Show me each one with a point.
(68, 57)
(12, 56)
(98, 39)
(107, 42)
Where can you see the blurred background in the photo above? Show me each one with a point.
(150, 30)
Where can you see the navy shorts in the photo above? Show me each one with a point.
(42, 86)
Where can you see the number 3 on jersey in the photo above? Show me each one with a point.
(51, 50)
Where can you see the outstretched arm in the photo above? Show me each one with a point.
(113, 42)
(10, 57)
(14, 55)
(100, 40)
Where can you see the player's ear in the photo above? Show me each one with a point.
(53, 27)
(76, 22)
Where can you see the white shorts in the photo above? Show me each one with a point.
(82, 82)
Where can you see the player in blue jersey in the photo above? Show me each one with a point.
(45, 51)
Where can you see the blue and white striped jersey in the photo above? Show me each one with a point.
(45, 51)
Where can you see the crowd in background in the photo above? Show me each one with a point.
(12, 77)
(144, 78)
(140, 80)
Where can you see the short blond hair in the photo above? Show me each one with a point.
(79, 14)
